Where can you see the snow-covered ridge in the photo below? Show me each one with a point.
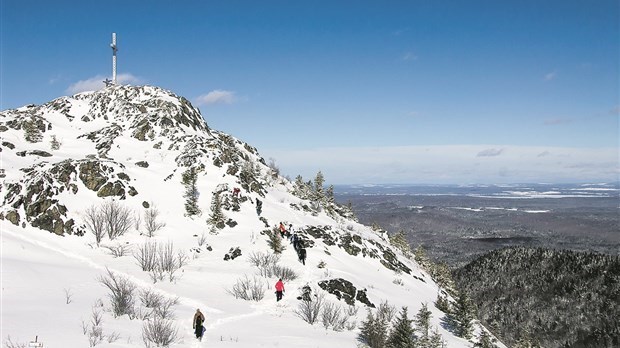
(133, 145)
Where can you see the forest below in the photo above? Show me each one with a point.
(545, 297)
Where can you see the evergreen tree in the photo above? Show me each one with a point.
(189, 180)
(32, 133)
(437, 340)
(54, 143)
(329, 195)
(300, 189)
(462, 315)
(319, 181)
(442, 303)
(373, 331)
(423, 325)
(275, 240)
(217, 217)
(485, 340)
(402, 333)
(399, 240)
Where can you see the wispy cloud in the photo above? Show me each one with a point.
(399, 31)
(95, 83)
(409, 56)
(490, 152)
(550, 76)
(557, 121)
(217, 96)
(450, 164)
(615, 111)
(544, 154)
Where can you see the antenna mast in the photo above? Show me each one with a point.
(114, 49)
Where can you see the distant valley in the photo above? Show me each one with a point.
(457, 223)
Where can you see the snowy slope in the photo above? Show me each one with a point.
(131, 145)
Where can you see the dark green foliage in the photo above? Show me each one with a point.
(462, 315)
(189, 180)
(275, 240)
(217, 218)
(551, 298)
(485, 340)
(402, 335)
(442, 303)
(423, 325)
(373, 331)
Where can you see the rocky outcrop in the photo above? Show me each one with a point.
(344, 290)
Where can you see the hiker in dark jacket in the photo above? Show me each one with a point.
(302, 255)
(199, 318)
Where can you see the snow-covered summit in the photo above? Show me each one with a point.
(204, 195)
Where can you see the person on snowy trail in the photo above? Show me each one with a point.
(279, 289)
(301, 252)
(282, 230)
(199, 318)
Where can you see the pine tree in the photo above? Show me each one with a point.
(299, 188)
(32, 133)
(437, 340)
(442, 303)
(399, 240)
(423, 325)
(462, 315)
(402, 335)
(189, 180)
(485, 340)
(217, 217)
(54, 143)
(275, 241)
(373, 331)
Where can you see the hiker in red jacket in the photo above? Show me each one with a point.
(279, 289)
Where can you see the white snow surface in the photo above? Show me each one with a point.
(42, 271)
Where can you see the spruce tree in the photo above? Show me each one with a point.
(442, 303)
(402, 335)
(54, 143)
(399, 240)
(373, 331)
(436, 339)
(485, 340)
(32, 133)
(217, 217)
(463, 315)
(423, 325)
(189, 180)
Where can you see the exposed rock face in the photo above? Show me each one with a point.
(344, 290)
(232, 254)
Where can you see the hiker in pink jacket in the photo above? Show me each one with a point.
(279, 289)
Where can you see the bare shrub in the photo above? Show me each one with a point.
(117, 218)
(249, 289)
(95, 223)
(146, 256)
(351, 311)
(113, 337)
(265, 262)
(202, 240)
(160, 332)
(10, 344)
(310, 307)
(165, 308)
(121, 293)
(68, 295)
(150, 221)
(150, 299)
(118, 250)
(333, 317)
(285, 273)
(94, 331)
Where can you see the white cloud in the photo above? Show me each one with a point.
(454, 164)
(96, 83)
(409, 56)
(217, 97)
(490, 152)
(550, 76)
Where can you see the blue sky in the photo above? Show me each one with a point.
(365, 91)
